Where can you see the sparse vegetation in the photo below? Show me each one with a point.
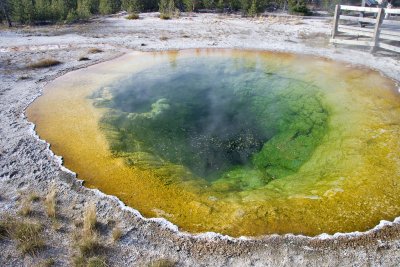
(164, 38)
(44, 63)
(51, 203)
(88, 243)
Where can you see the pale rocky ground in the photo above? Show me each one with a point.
(28, 165)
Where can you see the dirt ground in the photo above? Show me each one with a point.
(28, 165)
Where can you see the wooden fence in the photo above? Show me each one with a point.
(375, 32)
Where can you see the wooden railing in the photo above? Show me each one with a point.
(377, 37)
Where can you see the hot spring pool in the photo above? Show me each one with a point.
(235, 142)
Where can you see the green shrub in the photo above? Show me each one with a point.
(298, 7)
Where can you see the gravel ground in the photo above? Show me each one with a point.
(28, 165)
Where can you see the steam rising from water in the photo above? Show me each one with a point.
(236, 142)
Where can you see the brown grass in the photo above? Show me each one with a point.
(164, 38)
(50, 203)
(95, 51)
(133, 16)
(44, 63)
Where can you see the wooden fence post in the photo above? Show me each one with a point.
(336, 21)
(377, 31)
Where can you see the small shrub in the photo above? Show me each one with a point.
(95, 51)
(165, 16)
(28, 236)
(116, 234)
(44, 63)
(164, 38)
(51, 203)
(133, 16)
(298, 7)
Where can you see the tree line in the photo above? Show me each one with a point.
(51, 11)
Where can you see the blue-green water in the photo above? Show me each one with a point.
(219, 118)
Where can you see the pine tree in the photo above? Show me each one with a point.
(43, 10)
(83, 9)
(244, 6)
(5, 12)
(132, 6)
(221, 5)
(253, 9)
(105, 7)
(23, 11)
(167, 8)
(59, 9)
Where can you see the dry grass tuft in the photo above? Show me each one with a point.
(88, 243)
(133, 16)
(50, 203)
(33, 197)
(46, 263)
(26, 208)
(80, 261)
(95, 51)
(164, 38)
(162, 263)
(28, 235)
(89, 218)
(116, 234)
(44, 63)
(96, 262)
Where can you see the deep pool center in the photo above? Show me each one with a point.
(229, 141)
